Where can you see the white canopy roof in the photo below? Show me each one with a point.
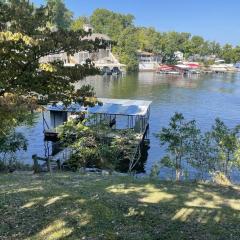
(121, 107)
(109, 106)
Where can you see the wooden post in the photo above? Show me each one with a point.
(36, 167)
(58, 164)
(49, 165)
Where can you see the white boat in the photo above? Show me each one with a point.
(169, 72)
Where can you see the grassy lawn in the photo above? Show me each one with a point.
(73, 206)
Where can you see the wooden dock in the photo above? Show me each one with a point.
(134, 112)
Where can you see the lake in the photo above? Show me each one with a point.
(202, 98)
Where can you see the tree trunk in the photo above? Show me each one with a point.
(226, 164)
(178, 174)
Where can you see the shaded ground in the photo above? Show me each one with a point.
(73, 206)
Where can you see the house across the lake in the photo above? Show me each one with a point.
(101, 58)
(148, 61)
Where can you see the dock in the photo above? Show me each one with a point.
(125, 114)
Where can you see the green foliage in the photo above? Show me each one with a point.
(177, 137)
(149, 39)
(220, 179)
(171, 42)
(227, 144)
(110, 23)
(13, 143)
(215, 151)
(155, 170)
(97, 145)
(130, 38)
(60, 16)
(230, 54)
(202, 154)
(24, 41)
(121, 30)
(15, 110)
(9, 145)
(79, 23)
(88, 147)
(126, 48)
(25, 38)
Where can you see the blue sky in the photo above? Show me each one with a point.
(217, 20)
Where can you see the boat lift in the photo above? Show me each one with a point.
(125, 113)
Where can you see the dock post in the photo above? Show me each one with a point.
(36, 167)
(49, 165)
(58, 164)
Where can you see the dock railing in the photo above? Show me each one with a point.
(48, 161)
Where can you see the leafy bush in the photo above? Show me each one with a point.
(97, 145)
(178, 138)
(220, 179)
(215, 151)
(9, 145)
(155, 170)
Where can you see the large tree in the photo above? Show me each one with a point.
(61, 17)
(78, 23)
(25, 38)
(110, 23)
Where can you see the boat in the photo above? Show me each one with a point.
(106, 71)
(167, 69)
(193, 71)
(116, 71)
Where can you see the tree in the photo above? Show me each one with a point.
(60, 16)
(202, 154)
(8, 147)
(23, 42)
(25, 38)
(227, 144)
(214, 48)
(148, 39)
(236, 57)
(212, 152)
(15, 110)
(120, 29)
(178, 137)
(126, 48)
(110, 23)
(168, 47)
(227, 53)
(89, 147)
(79, 23)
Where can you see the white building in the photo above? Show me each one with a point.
(179, 56)
(87, 28)
(101, 57)
(148, 61)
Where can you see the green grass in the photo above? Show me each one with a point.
(74, 206)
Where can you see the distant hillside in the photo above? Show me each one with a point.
(130, 38)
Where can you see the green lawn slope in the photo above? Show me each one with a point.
(74, 206)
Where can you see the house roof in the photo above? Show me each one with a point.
(94, 36)
(109, 106)
(121, 107)
(144, 53)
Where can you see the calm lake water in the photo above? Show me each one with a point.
(198, 97)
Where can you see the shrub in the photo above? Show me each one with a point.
(220, 178)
